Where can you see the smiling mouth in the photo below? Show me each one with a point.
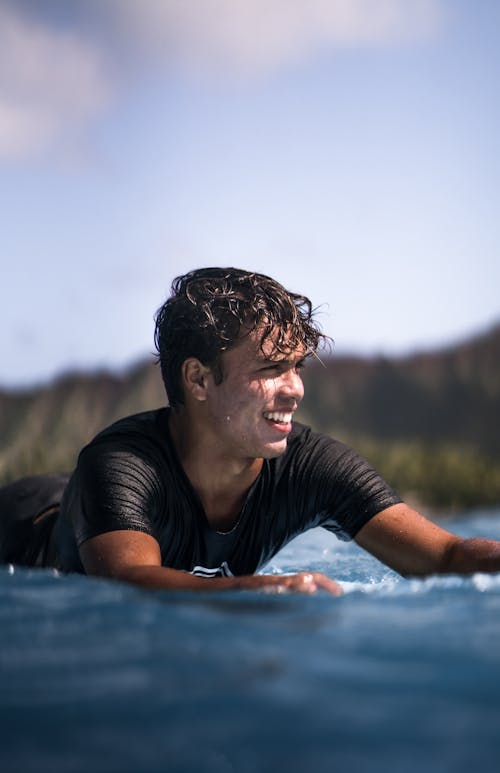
(279, 417)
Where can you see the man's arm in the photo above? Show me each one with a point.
(414, 546)
(132, 556)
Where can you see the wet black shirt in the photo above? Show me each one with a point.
(129, 477)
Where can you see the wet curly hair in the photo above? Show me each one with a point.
(205, 313)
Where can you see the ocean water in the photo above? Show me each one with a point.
(395, 675)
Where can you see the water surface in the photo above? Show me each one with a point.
(398, 675)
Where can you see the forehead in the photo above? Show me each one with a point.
(252, 347)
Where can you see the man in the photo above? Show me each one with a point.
(202, 494)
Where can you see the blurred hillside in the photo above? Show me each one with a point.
(43, 429)
(429, 422)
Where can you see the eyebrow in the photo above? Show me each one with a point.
(282, 360)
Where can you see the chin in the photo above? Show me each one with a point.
(272, 450)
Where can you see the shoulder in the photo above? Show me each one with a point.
(129, 456)
(118, 483)
(312, 456)
(133, 442)
(305, 443)
(322, 459)
(337, 483)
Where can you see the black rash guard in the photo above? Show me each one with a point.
(129, 477)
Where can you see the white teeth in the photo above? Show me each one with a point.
(283, 418)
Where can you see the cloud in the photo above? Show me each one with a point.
(62, 63)
(51, 82)
(257, 36)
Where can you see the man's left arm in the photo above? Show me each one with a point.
(413, 546)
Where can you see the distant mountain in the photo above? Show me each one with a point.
(451, 395)
(429, 422)
(43, 429)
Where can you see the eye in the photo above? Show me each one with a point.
(280, 366)
(271, 367)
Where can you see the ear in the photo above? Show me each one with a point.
(194, 378)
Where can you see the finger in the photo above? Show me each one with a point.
(307, 583)
(302, 583)
(326, 583)
(310, 582)
(296, 583)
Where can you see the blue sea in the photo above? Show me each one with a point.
(395, 675)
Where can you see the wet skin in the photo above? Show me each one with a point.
(250, 412)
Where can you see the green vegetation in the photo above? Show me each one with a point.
(43, 430)
(428, 422)
(442, 477)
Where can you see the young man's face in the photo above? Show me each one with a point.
(251, 410)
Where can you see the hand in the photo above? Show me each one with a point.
(303, 582)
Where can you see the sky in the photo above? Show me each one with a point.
(348, 148)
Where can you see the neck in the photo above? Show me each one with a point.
(221, 481)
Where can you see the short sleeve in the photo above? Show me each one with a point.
(113, 488)
(343, 489)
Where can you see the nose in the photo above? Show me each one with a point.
(291, 385)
